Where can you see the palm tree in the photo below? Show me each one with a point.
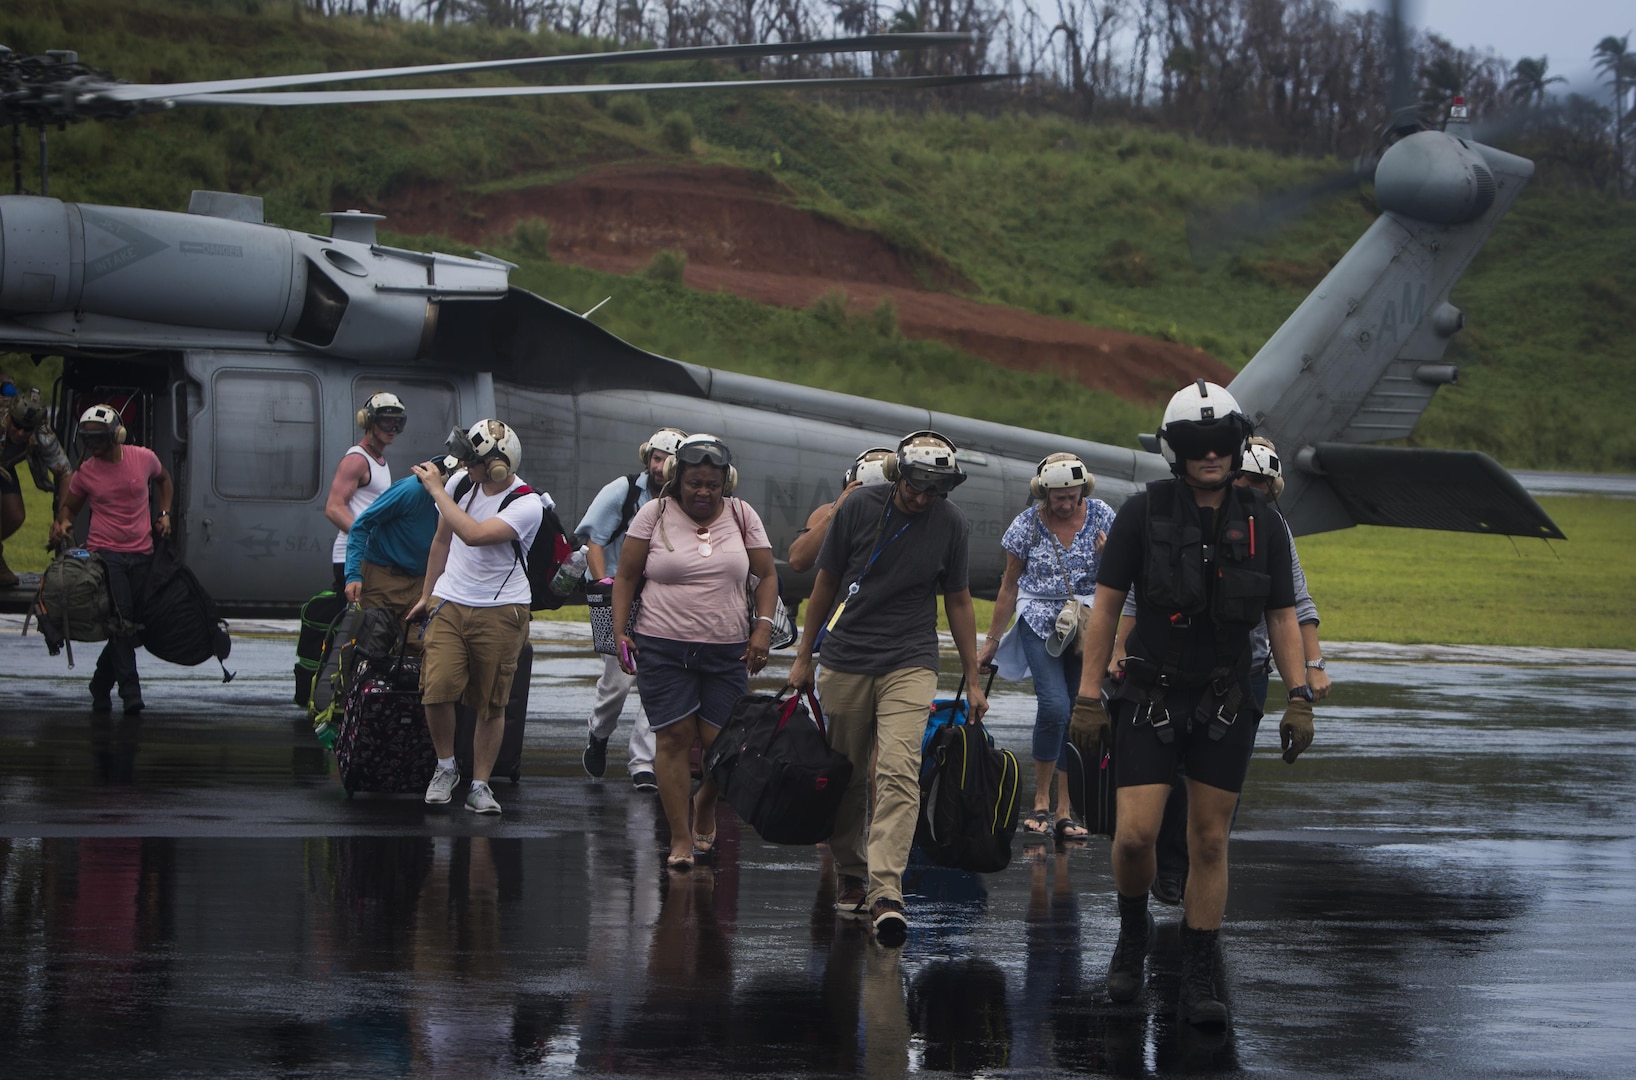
(1528, 81)
(1618, 65)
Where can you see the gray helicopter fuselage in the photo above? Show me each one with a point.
(240, 351)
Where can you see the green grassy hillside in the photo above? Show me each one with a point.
(1038, 212)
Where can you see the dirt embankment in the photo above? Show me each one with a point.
(742, 236)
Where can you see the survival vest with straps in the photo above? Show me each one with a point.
(544, 557)
(1222, 577)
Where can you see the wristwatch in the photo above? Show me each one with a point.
(1318, 663)
(1301, 692)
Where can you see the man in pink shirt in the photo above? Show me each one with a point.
(115, 480)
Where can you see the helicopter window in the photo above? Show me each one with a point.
(266, 435)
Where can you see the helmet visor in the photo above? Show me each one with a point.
(1193, 440)
(704, 453)
(459, 446)
(923, 480)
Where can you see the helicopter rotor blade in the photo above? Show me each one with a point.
(137, 93)
(364, 97)
(1217, 234)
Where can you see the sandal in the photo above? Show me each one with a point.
(704, 846)
(1037, 824)
(1069, 829)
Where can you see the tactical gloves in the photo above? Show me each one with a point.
(1295, 729)
(1090, 729)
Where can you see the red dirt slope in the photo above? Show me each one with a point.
(742, 236)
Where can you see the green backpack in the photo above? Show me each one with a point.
(74, 603)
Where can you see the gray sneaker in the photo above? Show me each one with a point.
(442, 785)
(480, 799)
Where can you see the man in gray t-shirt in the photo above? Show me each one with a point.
(890, 552)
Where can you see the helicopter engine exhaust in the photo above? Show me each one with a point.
(69, 266)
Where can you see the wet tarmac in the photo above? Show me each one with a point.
(1445, 883)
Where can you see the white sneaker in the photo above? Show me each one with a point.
(480, 799)
(442, 785)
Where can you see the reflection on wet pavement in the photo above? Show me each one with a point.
(1443, 883)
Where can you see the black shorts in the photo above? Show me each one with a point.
(1140, 758)
(11, 481)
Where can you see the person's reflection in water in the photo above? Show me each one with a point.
(685, 1010)
(885, 1013)
(463, 998)
(1181, 1047)
(1048, 1014)
(113, 746)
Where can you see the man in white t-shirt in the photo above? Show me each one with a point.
(476, 603)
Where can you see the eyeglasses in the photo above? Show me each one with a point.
(705, 550)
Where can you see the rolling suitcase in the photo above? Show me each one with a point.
(509, 762)
(1091, 788)
(383, 745)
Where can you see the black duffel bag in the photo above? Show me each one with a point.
(773, 764)
(179, 621)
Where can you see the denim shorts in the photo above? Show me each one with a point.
(679, 678)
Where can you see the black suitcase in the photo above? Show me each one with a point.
(774, 766)
(1091, 788)
(509, 763)
(383, 744)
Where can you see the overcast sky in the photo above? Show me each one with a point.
(1565, 31)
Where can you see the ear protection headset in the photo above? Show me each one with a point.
(1261, 459)
(928, 457)
(107, 416)
(378, 404)
(491, 437)
(1058, 471)
(699, 450)
(666, 439)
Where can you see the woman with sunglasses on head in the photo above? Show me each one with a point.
(694, 645)
(1052, 550)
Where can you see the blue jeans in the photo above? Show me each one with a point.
(128, 582)
(1056, 683)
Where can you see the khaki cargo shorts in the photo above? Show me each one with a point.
(471, 655)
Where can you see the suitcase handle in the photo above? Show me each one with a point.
(792, 703)
(960, 691)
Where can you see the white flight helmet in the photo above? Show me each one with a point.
(870, 467)
(926, 461)
(492, 437)
(1058, 472)
(1201, 418)
(668, 439)
(382, 406)
(1261, 459)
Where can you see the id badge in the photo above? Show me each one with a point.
(851, 591)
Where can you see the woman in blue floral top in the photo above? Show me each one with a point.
(1052, 551)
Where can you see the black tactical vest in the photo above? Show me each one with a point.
(1224, 576)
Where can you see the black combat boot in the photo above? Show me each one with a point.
(1130, 951)
(1199, 1002)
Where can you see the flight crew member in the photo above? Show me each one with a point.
(25, 439)
(117, 482)
(605, 522)
(476, 604)
(363, 474)
(890, 552)
(388, 543)
(1207, 561)
(867, 470)
(1262, 472)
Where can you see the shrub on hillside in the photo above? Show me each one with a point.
(830, 308)
(532, 237)
(629, 109)
(668, 267)
(884, 319)
(1125, 263)
(677, 132)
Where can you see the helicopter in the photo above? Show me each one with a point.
(238, 351)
